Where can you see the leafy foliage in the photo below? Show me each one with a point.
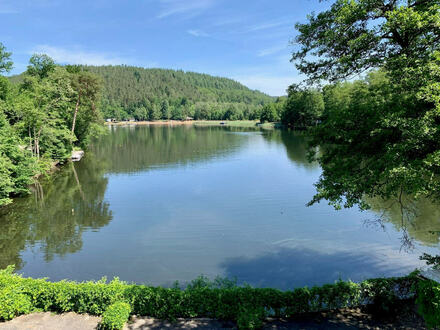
(220, 299)
(115, 316)
(272, 112)
(428, 300)
(5, 59)
(132, 92)
(379, 135)
(433, 261)
(303, 109)
(42, 118)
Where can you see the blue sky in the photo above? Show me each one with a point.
(246, 40)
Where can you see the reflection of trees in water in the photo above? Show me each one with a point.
(57, 214)
(417, 219)
(295, 144)
(138, 148)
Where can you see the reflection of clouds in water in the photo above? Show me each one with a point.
(287, 268)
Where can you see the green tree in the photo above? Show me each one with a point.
(154, 112)
(5, 59)
(269, 113)
(303, 108)
(40, 65)
(16, 166)
(385, 140)
(165, 110)
(87, 87)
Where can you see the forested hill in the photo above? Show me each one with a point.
(163, 94)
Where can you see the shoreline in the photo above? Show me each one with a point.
(220, 123)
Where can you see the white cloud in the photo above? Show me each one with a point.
(187, 7)
(77, 56)
(272, 50)
(198, 33)
(268, 25)
(272, 85)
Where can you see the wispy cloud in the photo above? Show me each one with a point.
(272, 50)
(268, 25)
(78, 56)
(184, 7)
(198, 33)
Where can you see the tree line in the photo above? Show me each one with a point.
(379, 135)
(52, 110)
(154, 94)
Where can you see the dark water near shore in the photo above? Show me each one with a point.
(158, 204)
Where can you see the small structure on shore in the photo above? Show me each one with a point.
(77, 155)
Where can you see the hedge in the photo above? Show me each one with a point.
(115, 316)
(219, 299)
(428, 300)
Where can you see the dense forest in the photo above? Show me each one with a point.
(153, 94)
(50, 109)
(43, 118)
(371, 100)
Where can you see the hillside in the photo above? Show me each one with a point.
(151, 94)
(162, 94)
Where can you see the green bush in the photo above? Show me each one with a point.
(115, 316)
(251, 317)
(13, 303)
(219, 299)
(428, 300)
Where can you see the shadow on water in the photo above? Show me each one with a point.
(417, 220)
(295, 144)
(288, 268)
(54, 219)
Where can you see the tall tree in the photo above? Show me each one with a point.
(40, 65)
(5, 59)
(384, 141)
(87, 87)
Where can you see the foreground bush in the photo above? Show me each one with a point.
(13, 303)
(428, 300)
(116, 315)
(220, 299)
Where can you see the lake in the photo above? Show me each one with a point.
(156, 204)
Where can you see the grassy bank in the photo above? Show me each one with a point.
(223, 123)
(220, 299)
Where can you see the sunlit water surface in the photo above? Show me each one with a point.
(158, 204)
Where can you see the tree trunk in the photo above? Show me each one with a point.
(37, 144)
(76, 112)
(30, 142)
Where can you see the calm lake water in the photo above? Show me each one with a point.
(158, 204)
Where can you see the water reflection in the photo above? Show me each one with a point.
(139, 148)
(288, 268)
(158, 204)
(54, 219)
(295, 144)
(418, 220)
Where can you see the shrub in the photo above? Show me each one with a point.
(13, 303)
(251, 317)
(115, 316)
(428, 300)
(219, 299)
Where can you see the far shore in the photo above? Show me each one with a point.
(231, 123)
